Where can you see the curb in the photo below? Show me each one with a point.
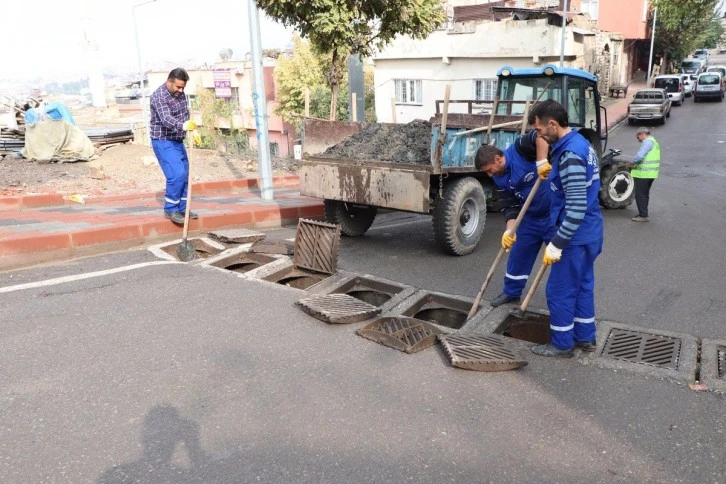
(20, 202)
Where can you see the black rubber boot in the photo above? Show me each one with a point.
(503, 299)
(551, 351)
(586, 345)
(176, 217)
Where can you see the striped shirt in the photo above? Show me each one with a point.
(168, 114)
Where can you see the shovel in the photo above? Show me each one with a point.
(521, 313)
(186, 250)
(517, 221)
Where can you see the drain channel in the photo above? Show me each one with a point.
(644, 348)
(535, 328)
(722, 362)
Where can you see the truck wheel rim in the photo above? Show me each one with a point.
(620, 187)
(468, 217)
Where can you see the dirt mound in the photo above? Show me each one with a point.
(400, 143)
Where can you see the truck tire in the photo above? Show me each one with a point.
(354, 220)
(459, 218)
(617, 187)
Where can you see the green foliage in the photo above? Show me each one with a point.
(212, 109)
(341, 27)
(686, 25)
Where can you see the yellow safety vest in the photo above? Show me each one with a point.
(648, 168)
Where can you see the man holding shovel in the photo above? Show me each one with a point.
(575, 214)
(168, 125)
(514, 171)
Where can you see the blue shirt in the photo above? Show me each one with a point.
(575, 183)
(517, 180)
(645, 147)
(168, 114)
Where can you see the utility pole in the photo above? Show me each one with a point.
(144, 107)
(562, 37)
(258, 97)
(652, 39)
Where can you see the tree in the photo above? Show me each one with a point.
(341, 27)
(683, 25)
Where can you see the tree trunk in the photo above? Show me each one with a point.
(333, 80)
(333, 101)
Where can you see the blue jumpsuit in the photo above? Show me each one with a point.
(514, 186)
(575, 182)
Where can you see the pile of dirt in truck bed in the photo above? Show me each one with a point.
(400, 143)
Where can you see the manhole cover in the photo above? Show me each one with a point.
(316, 246)
(644, 348)
(722, 362)
(338, 308)
(402, 333)
(236, 236)
(480, 352)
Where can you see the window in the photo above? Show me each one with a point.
(485, 88)
(514, 93)
(581, 108)
(408, 91)
(589, 7)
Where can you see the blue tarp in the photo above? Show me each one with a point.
(55, 111)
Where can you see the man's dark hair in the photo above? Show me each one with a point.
(179, 74)
(547, 110)
(485, 156)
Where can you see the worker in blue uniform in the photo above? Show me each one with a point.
(514, 172)
(575, 214)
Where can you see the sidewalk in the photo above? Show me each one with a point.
(40, 228)
(617, 107)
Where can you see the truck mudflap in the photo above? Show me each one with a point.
(391, 185)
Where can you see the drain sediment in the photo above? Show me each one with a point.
(533, 327)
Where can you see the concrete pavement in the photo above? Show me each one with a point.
(44, 227)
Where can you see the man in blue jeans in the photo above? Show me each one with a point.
(514, 172)
(168, 125)
(575, 214)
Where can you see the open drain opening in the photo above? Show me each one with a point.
(201, 249)
(297, 278)
(448, 317)
(535, 328)
(371, 297)
(245, 262)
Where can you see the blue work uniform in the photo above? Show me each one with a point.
(575, 214)
(514, 186)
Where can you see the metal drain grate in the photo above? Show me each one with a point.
(402, 333)
(480, 352)
(338, 308)
(722, 362)
(316, 246)
(645, 348)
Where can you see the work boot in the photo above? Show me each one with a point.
(175, 217)
(503, 298)
(552, 351)
(192, 215)
(586, 345)
(638, 218)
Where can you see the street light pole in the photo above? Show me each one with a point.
(652, 41)
(562, 37)
(258, 97)
(141, 74)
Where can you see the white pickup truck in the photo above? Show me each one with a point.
(649, 105)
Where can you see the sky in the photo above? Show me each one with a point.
(45, 38)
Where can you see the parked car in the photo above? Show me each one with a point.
(702, 54)
(673, 86)
(688, 83)
(649, 104)
(691, 66)
(710, 85)
(720, 69)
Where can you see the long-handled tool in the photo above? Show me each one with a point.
(186, 250)
(522, 311)
(517, 221)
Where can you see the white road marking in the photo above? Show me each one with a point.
(716, 173)
(80, 277)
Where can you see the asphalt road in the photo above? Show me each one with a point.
(176, 373)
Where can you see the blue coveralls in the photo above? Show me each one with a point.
(571, 284)
(172, 156)
(514, 186)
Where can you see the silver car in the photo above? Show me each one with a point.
(688, 83)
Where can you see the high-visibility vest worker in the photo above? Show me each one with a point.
(646, 165)
(650, 166)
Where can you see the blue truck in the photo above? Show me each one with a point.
(447, 186)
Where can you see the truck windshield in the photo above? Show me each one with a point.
(579, 99)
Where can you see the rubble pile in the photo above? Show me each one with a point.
(399, 143)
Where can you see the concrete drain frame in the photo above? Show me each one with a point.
(205, 247)
(446, 311)
(241, 261)
(713, 364)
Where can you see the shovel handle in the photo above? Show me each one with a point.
(185, 232)
(484, 286)
(532, 289)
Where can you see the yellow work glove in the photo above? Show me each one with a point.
(552, 254)
(197, 138)
(508, 239)
(543, 169)
(189, 125)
